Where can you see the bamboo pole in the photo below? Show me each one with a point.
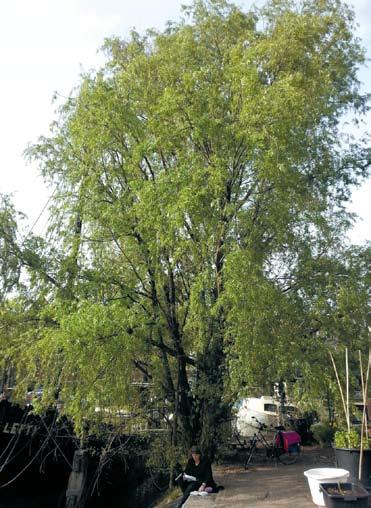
(347, 387)
(366, 391)
(364, 395)
(339, 384)
(361, 370)
(363, 417)
(365, 407)
(365, 398)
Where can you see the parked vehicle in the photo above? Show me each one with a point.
(266, 409)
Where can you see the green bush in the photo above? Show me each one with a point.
(323, 433)
(352, 439)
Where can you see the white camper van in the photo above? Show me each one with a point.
(265, 409)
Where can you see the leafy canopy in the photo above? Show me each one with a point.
(196, 239)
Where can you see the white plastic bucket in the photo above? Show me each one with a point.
(323, 475)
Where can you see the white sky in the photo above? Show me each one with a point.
(44, 45)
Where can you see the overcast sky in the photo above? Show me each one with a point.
(44, 46)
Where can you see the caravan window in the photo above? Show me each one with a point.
(272, 408)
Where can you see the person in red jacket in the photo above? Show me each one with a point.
(198, 467)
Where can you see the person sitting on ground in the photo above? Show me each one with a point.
(199, 467)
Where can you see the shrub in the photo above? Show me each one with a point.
(351, 439)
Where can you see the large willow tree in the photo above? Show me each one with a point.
(195, 239)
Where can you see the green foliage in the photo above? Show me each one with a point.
(345, 439)
(195, 244)
(10, 266)
(162, 456)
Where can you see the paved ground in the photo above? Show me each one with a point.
(266, 484)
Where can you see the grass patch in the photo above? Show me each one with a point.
(167, 498)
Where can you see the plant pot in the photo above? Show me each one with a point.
(323, 475)
(348, 458)
(350, 495)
